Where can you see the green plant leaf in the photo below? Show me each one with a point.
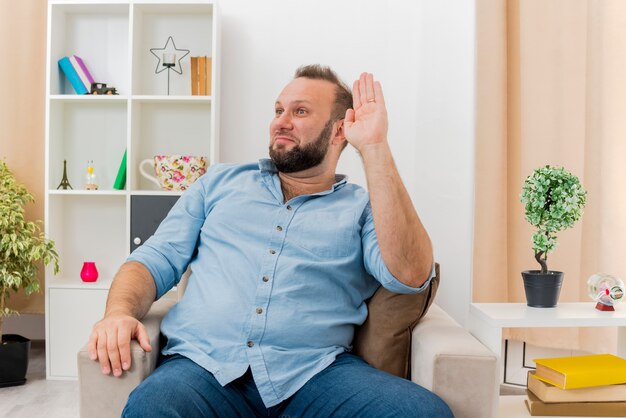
(553, 200)
(22, 244)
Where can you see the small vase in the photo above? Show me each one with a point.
(542, 289)
(89, 272)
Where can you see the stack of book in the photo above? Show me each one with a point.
(77, 74)
(201, 76)
(592, 385)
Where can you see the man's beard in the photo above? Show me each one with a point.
(302, 158)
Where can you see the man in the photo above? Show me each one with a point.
(283, 255)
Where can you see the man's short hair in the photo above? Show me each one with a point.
(343, 95)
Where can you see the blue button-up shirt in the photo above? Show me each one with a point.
(275, 286)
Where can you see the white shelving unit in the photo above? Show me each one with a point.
(114, 39)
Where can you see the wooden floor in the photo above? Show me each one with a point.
(39, 397)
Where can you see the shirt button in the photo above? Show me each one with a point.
(289, 207)
(266, 279)
(259, 310)
(272, 252)
(279, 228)
(250, 344)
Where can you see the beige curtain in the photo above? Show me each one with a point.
(551, 89)
(22, 108)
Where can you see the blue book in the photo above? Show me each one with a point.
(72, 76)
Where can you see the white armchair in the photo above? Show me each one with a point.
(445, 358)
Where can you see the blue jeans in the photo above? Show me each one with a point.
(349, 387)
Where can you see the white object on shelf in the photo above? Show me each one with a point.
(114, 38)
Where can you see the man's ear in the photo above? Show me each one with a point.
(339, 137)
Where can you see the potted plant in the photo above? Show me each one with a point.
(22, 245)
(553, 200)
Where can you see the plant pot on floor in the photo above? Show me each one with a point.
(14, 351)
(542, 289)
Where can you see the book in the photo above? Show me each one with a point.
(208, 68)
(574, 409)
(72, 76)
(202, 76)
(549, 394)
(120, 179)
(581, 371)
(82, 71)
(201, 68)
(195, 87)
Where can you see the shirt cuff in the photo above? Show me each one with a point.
(397, 286)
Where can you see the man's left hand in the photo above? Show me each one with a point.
(366, 124)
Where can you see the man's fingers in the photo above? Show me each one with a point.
(369, 88)
(103, 356)
(362, 89)
(365, 90)
(378, 92)
(123, 343)
(114, 352)
(110, 340)
(142, 337)
(356, 97)
(349, 118)
(91, 346)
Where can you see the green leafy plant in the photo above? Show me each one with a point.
(22, 243)
(554, 200)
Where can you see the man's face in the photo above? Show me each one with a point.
(301, 129)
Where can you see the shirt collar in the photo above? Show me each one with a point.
(267, 167)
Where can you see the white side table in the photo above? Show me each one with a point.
(488, 319)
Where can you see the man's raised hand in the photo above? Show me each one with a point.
(366, 124)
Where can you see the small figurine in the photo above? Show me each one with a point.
(101, 88)
(90, 183)
(605, 289)
(65, 183)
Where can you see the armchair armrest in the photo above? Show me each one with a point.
(448, 360)
(105, 395)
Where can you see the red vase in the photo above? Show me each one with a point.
(89, 272)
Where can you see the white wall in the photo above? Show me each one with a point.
(423, 53)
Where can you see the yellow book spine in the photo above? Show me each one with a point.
(195, 86)
(208, 68)
(202, 75)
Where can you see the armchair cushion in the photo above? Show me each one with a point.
(104, 396)
(384, 340)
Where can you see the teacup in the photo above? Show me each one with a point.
(174, 172)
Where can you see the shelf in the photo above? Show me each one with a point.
(574, 314)
(171, 99)
(155, 193)
(77, 283)
(96, 7)
(88, 98)
(87, 192)
(123, 98)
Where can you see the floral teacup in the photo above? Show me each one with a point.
(174, 172)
